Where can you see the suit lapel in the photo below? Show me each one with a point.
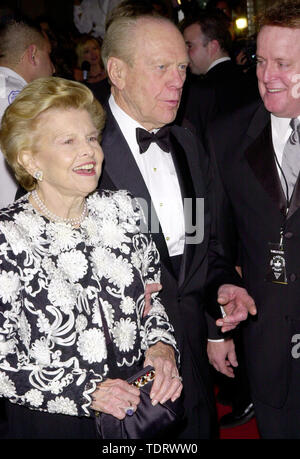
(187, 192)
(127, 176)
(261, 158)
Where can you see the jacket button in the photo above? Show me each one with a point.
(288, 235)
(293, 277)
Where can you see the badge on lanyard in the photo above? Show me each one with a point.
(276, 272)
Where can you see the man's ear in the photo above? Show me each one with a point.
(116, 71)
(27, 161)
(214, 47)
(31, 54)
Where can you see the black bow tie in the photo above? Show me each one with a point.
(145, 138)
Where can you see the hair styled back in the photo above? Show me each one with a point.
(15, 37)
(20, 122)
(120, 38)
(284, 13)
(215, 25)
(83, 40)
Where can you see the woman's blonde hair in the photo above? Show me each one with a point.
(19, 126)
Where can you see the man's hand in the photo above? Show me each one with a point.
(150, 288)
(236, 303)
(167, 383)
(222, 356)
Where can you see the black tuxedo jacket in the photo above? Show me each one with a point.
(254, 201)
(223, 89)
(183, 297)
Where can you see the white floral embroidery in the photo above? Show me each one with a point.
(62, 405)
(34, 397)
(91, 345)
(56, 283)
(40, 351)
(124, 334)
(9, 286)
(43, 323)
(32, 224)
(127, 305)
(81, 323)
(112, 234)
(62, 295)
(24, 330)
(7, 387)
(61, 237)
(73, 264)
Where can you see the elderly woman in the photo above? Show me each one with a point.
(73, 270)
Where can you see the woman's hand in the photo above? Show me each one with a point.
(114, 396)
(167, 383)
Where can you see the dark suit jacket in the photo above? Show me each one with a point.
(256, 204)
(223, 89)
(183, 298)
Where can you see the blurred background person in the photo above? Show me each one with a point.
(90, 15)
(24, 56)
(88, 49)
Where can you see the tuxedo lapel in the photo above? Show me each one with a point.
(261, 158)
(123, 171)
(187, 192)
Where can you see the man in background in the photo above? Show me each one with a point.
(24, 56)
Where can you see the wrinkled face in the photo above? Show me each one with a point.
(68, 152)
(45, 67)
(197, 49)
(278, 70)
(152, 86)
(91, 52)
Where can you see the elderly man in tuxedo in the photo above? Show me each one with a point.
(146, 59)
(262, 186)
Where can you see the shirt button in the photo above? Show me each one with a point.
(288, 235)
(155, 169)
(167, 238)
(161, 204)
(293, 277)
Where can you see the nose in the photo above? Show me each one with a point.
(268, 72)
(177, 78)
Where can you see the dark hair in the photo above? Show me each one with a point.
(214, 26)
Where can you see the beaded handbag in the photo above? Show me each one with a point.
(147, 421)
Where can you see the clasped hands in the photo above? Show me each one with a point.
(116, 396)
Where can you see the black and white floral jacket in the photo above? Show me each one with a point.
(53, 278)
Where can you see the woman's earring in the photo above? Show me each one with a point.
(38, 175)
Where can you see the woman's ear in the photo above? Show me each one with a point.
(116, 71)
(26, 160)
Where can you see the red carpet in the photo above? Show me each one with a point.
(246, 431)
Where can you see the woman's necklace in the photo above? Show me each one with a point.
(73, 221)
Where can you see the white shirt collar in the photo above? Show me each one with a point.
(218, 61)
(11, 73)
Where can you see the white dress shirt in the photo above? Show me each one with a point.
(10, 85)
(158, 171)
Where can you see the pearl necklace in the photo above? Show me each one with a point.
(73, 221)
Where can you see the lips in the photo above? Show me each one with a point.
(85, 169)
